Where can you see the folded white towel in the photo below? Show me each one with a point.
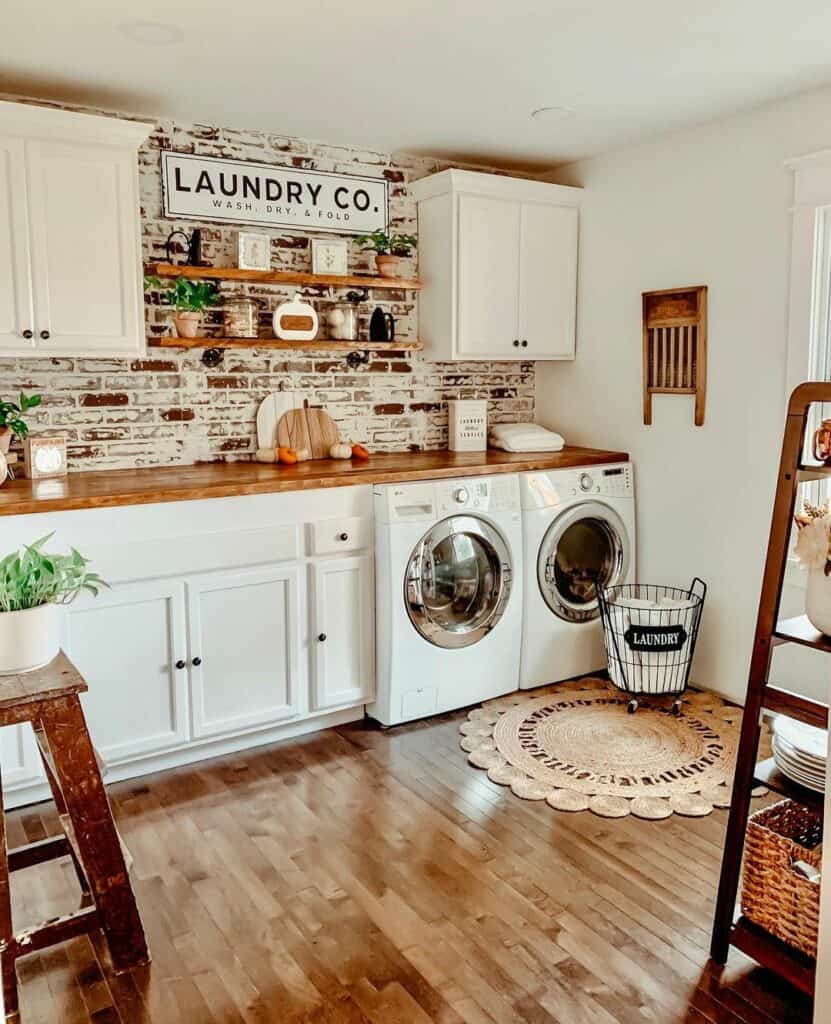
(524, 437)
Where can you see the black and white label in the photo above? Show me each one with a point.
(655, 638)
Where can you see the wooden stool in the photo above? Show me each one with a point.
(48, 698)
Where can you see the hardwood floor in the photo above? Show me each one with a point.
(363, 877)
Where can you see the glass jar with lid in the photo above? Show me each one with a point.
(240, 317)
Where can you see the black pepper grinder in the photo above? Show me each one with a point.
(381, 326)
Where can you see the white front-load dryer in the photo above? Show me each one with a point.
(448, 573)
(579, 530)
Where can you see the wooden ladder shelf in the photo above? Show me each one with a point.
(762, 698)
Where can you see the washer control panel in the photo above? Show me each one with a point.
(477, 494)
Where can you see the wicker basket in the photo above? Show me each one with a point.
(774, 896)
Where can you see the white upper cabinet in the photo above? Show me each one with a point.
(70, 239)
(498, 259)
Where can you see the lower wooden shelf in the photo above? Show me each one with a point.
(788, 963)
(768, 774)
(298, 346)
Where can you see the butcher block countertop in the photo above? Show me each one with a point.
(114, 487)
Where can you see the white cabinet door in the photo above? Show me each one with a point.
(19, 757)
(85, 252)
(16, 313)
(488, 276)
(244, 649)
(547, 281)
(342, 631)
(126, 643)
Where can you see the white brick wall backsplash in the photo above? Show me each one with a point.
(167, 408)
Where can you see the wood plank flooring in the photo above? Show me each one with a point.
(366, 877)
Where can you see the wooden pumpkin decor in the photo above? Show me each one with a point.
(295, 320)
(675, 346)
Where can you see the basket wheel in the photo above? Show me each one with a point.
(632, 706)
(676, 708)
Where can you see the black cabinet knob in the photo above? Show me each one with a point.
(516, 342)
(524, 343)
(180, 664)
(343, 536)
(44, 335)
(197, 661)
(321, 637)
(28, 334)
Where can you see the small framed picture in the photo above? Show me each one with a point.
(253, 251)
(328, 256)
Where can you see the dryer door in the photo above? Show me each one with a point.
(585, 545)
(458, 582)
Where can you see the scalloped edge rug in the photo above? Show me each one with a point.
(506, 737)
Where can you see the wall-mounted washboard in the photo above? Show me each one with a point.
(675, 346)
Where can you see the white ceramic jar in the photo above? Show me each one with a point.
(818, 600)
(30, 639)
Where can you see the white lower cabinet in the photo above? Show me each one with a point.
(244, 630)
(127, 643)
(342, 631)
(223, 651)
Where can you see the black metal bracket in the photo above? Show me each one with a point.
(212, 357)
(356, 359)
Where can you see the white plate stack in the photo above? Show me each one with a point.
(801, 752)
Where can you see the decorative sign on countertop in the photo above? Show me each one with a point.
(244, 192)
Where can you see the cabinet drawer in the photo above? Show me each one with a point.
(334, 536)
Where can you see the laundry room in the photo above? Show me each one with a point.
(415, 579)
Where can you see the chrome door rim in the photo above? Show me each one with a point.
(621, 546)
(419, 615)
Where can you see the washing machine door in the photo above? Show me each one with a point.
(458, 582)
(588, 544)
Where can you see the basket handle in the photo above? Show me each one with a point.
(702, 585)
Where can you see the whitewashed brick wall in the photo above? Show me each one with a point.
(167, 408)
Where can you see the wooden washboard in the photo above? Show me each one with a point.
(675, 346)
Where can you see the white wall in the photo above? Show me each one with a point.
(710, 206)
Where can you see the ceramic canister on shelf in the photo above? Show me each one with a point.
(821, 446)
(295, 320)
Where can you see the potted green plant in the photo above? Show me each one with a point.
(12, 423)
(388, 249)
(34, 587)
(190, 299)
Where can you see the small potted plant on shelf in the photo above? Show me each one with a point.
(388, 249)
(12, 423)
(190, 299)
(34, 587)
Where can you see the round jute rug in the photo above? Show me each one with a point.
(578, 749)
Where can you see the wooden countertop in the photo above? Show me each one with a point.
(114, 487)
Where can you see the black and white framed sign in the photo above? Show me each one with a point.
(245, 192)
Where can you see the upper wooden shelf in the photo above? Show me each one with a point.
(282, 277)
(806, 473)
(800, 631)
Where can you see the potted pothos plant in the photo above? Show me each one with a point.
(12, 421)
(389, 250)
(190, 300)
(34, 587)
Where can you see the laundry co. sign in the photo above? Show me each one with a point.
(244, 192)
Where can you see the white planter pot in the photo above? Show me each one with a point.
(30, 639)
(818, 600)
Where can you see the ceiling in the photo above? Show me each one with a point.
(457, 79)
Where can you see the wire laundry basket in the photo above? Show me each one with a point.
(650, 634)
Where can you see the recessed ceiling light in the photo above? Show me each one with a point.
(552, 113)
(151, 33)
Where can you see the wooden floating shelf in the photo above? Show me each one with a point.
(768, 951)
(282, 277)
(297, 346)
(768, 774)
(806, 473)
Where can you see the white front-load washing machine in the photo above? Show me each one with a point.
(448, 573)
(579, 530)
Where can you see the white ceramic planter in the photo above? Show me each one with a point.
(30, 639)
(818, 600)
